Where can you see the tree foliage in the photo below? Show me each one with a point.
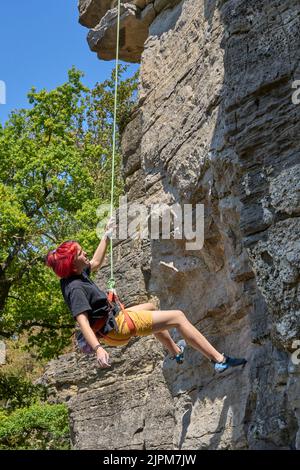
(18, 392)
(40, 426)
(55, 168)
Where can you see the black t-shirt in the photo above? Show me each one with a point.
(81, 294)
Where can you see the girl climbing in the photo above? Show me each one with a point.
(102, 318)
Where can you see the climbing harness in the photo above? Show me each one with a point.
(114, 302)
(114, 305)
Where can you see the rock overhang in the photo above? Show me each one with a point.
(136, 17)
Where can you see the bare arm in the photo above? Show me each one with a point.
(98, 258)
(92, 340)
(99, 254)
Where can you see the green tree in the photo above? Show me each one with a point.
(55, 167)
(39, 426)
(18, 392)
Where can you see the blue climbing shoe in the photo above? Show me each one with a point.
(179, 358)
(228, 362)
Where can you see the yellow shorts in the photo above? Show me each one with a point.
(143, 324)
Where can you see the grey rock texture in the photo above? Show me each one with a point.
(215, 125)
(91, 11)
(127, 407)
(136, 17)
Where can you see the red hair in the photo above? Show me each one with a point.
(61, 260)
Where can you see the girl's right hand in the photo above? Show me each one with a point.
(110, 227)
(102, 358)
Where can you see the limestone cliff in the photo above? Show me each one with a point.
(215, 125)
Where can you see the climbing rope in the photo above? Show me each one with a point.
(111, 283)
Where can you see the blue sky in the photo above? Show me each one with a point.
(40, 40)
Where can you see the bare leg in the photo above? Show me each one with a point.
(164, 336)
(147, 306)
(166, 319)
(166, 340)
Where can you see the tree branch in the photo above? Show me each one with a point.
(6, 334)
(50, 326)
(13, 297)
(27, 326)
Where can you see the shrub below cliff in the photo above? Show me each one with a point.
(40, 426)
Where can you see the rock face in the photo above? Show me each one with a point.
(126, 407)
(136, 17)
(215, 125)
